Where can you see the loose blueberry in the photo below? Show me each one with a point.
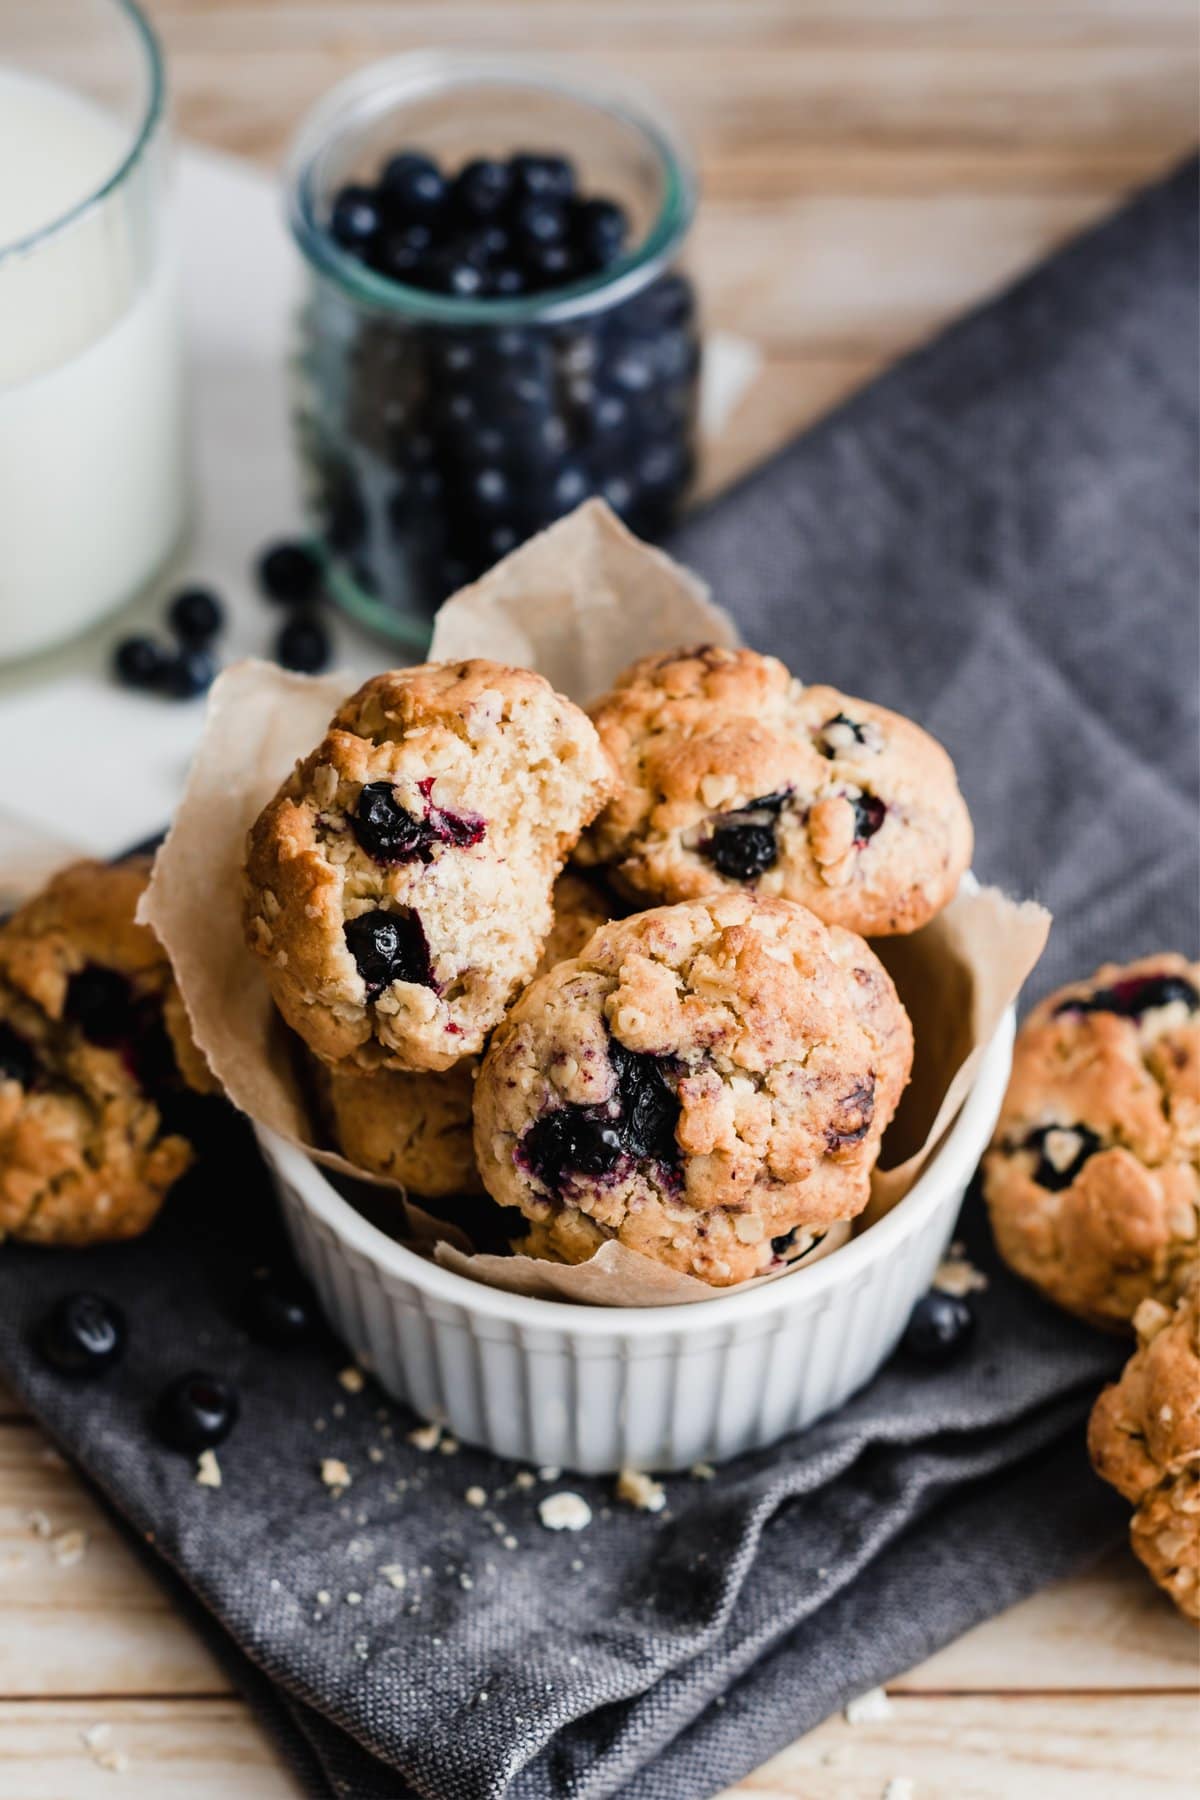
(387, 947)
(1136, 995)
(543, 177)
(869, 814)
(277, 1312)
(638, 1122)
(939, 1328)
(17, 1060)
(289, 573)
(356, 217)
(1062, 1151)
(139, 662)
(100, 1002)
(412, 187)
(482, 189)
(195, 1412)
(598, 231)
(195, 615)
(82, 1335)
(189, 673)
(303, 644)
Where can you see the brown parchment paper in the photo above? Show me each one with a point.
(579, 602)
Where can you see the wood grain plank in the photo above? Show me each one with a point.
(99, 1624)
(103, 1626)
(171, 1750)
(989, 1748)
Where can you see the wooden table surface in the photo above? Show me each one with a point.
(870, 168)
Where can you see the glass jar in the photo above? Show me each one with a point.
(92, 489)
(436, 432)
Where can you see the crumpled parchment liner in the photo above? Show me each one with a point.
(579, 602)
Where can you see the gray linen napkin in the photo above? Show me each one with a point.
(999, 537)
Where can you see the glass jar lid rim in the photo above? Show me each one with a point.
(426, 72)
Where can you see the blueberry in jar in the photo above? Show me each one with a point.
(356, 217)
(599, 229)
(939, 1328)
(82, 1335)
(482, 189)
(195, 1412)
(411, 186)
(543, 177)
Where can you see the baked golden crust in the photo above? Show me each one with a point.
(83, 1157)
(496, 775)
(1093, 1176)
(1144, 1438)
(417, 1128)
(701, 1080)
(858, 809)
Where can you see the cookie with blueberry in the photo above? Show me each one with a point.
(416, 1128)
(736, 776)
(89, 1023)
(398, 887)
(706, 1083)
(1144, 1438)
(1093, 1176)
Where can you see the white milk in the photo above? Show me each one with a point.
(91, 461)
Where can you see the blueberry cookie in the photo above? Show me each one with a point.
(707, 1083)
(1144, 1438)
(738, 776)
(86, 1060)
(416, 1128)
(398, 887)
(1093, 1176)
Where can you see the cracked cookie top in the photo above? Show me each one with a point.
(398, 886)
(707, 1083)
(736, 775)
(1144, 1438)
(1093, 1176)
(90, 1025)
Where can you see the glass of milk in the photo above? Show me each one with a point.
(92, 477)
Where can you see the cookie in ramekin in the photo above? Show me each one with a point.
(701, 1082)
(1144, 1438)
(1093, 1176)
(90, 1035)
(738, 777)
(398, 887)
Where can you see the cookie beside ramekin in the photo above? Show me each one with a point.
(700, 1083)
(88, 1012)
(738, 777)
(1144, 1438)
(1093, 1175)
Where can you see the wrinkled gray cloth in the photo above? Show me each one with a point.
(1000, 538)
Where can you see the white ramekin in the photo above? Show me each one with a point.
(603, 1388)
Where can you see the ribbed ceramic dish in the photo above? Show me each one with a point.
(602, 1388)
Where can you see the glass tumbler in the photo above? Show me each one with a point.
(436, 432)
(92, 489)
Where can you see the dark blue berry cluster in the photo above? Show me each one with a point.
(495, 230)
(435, 449)
(184, 668)
(637, 1124)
